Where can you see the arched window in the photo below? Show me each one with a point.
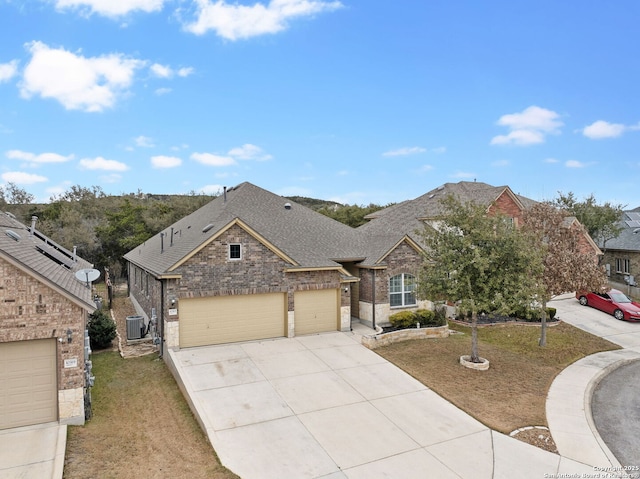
(402, 290)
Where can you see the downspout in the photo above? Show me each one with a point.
(373, 298)
(160, 318)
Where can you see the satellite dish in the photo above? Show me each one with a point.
(87, 275)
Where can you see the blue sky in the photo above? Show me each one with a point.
(357, 101)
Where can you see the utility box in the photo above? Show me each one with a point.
(135, 324)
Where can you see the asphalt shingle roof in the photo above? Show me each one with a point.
(309, 238)
(627, 240)
(42, 258)
(390, 225)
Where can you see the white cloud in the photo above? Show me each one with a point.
(234, 21)
(574, 164)
(212, 160)
(408, 150)
(463, 174)
(112, 178)
(212, 189)
(78, 83)
(144, 141)
(21, 178)
(100, 163)
(185, 72)
(162, 91)
(161, 71)
(249, 152)
(342, 173)
(8, 70)
(426, 168)
(110, 8)
(440, 149)
(36, 160)
(165, 161)
(600, 129)
(528, 127)
(550, 160)
(500, 163)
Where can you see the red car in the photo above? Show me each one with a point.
(613, 302)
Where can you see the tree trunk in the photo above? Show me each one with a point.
(543, 325)
(475, 358)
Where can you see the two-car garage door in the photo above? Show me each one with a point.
(28, 387)
(227, 319)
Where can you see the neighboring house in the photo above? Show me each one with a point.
(248, 265)
(622, 254)
(43, 315)
(254, 265)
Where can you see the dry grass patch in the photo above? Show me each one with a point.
(142, 426)
(512, 393)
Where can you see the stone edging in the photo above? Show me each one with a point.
(380, 339)
(502, 323)
(527, 428)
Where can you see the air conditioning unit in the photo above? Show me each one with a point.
(134, 327)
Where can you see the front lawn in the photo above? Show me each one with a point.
(512, 393)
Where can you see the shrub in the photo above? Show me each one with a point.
(426, 318)
(102, 329)
(551, 313)
(403, 319)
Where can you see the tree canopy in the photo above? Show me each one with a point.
(480, 261)
(600, 220)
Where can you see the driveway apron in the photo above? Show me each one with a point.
(324, 406)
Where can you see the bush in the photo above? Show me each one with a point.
(551, 313)
(426, 318)
(403, 320)
(102, 329)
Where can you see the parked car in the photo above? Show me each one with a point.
(613, 302)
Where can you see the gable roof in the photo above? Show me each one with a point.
(299, 235)
(629, 237)
(48, 262)
(389, 225)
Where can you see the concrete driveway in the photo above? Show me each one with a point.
(598, 323)
(33, 451)
(326, 406)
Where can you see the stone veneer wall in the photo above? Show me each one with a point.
(31, 310)
(374, 341)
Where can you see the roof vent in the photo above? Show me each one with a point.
(13, 235)
(287, 206)
(207, 228)
(10, 215)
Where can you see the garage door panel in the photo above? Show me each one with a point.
(226, 319)
(28, 384)
(316, 311)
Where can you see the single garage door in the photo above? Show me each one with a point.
(228, 319)
(28, 383)
(316, 311)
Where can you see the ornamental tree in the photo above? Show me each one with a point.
(569, 263)
(478, 260)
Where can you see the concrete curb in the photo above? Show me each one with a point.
(61, 446)
(588, 396)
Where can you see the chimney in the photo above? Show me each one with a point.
(225, 194)
(33, 224)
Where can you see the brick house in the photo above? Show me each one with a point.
(248, 265)
(43, 313)
(254, 265)
(622, 254)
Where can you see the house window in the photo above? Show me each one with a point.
(623, 266)
(402, 290)
(235, 251)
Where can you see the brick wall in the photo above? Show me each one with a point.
(31, 310)
(507, 206)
